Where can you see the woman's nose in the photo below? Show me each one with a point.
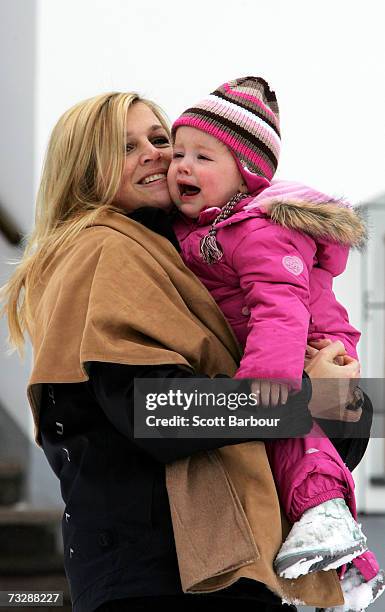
(150, 153)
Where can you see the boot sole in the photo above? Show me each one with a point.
(379, 585)
(378, 588)
(326, 562)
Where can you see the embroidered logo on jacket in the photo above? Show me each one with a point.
(293, 264)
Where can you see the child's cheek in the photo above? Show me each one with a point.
(170, 173)
(171, 182)
(210, 183)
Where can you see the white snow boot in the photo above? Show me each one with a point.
(358, 593)
(325, 537)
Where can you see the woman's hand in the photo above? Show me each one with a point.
(332, 384)
(316, 345)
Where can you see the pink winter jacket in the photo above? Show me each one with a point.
(281, 250)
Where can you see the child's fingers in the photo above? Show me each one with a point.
(256, 390)
(268, 393)
(339, 360)
(309, 354)
(284, 393)
(275, 392)
(320, 344)
(278, 394)
(311, 351)
(265, 392)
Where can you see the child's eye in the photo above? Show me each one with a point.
(177, 155)
(204, 157)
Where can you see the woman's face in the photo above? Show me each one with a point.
(147, 158)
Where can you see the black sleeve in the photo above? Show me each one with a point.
(350, 439)
(113, 387)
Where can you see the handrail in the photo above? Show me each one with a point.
(9, 229)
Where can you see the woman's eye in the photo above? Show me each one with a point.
(128, 147)
(161, 141)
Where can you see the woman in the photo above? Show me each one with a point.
(104, 296)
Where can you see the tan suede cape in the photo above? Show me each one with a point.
(120, 293)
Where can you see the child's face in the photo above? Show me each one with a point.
(202, 173)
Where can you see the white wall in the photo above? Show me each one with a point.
(17, 152)
(17, 108)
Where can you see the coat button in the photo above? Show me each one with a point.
(59, 428)
(104, 539)
(245, 311)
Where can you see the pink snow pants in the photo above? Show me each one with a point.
(309, 471)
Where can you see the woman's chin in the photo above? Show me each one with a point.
(167, 207)
(163, 204)
(160, 200)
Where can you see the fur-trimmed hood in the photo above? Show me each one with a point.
(301, 208)
(333, 224)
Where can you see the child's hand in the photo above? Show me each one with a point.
(269, 393)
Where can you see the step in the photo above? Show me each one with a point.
(30, 541)
(11, 483)
(23, 514)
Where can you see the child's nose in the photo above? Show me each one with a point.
(184, 166)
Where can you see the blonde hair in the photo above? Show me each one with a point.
(81, 176)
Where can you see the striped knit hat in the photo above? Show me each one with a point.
(244, 115)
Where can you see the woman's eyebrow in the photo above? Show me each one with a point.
(152, 128)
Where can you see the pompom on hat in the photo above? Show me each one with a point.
(244, 115)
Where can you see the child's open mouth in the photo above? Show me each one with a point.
(187, 191)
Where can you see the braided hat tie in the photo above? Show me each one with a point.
(210, 249)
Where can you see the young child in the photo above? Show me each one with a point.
(268, 251)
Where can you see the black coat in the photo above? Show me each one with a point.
(117, 530)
